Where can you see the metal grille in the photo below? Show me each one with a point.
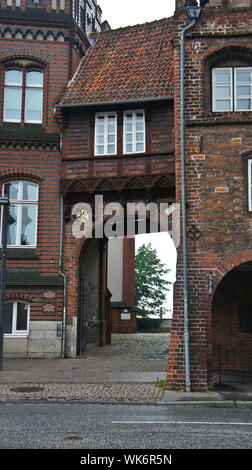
(236, 360)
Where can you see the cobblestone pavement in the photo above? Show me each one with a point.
(123, 371)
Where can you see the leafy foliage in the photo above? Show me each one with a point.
(150, 285)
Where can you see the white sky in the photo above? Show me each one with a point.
(129, 12)
(125, 13)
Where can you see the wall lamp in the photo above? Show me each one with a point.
(193, 12)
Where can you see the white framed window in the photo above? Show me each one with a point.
(23, 95)
(16, 319)
(33, 96)
(13, 95)
(134, 132)
(249, 182)
(232, 89)
(243, 88)
(105, 134)
(22, 220)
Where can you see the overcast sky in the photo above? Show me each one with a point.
(129, 12)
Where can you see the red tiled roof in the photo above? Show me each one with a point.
(125, 64)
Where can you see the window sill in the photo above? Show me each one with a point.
(16, 336)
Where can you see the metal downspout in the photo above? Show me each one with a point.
(63, 347)
(183, 202)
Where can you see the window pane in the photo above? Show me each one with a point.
(140, 147)
(111, 139)
(222, 92)
(7, 318)
(139, 126)
(100, 149)
(22, 316)
(222, 77)
(12, 104)
(111, 149)
(223, 105)
(12, 226)
(13, 77)
(13, 190)
(129, 117)
(28, 225)
(30, 191)
(243, 90)
(139, 137)
(243, 104)
(129, 127)
(243, 76)
(129, 137)
(33, 105)
(100, 139)
(129, 148)
(34, 78)
(111, 124)
(100, 124)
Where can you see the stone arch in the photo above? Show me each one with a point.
(231, 306)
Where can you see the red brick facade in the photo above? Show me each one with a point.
(39, 36)
(217, 145)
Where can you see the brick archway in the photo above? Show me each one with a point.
(231, 339)
(200, 321)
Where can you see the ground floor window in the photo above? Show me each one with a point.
(16, 319)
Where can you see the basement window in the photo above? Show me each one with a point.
(16, 319)
(232, 89)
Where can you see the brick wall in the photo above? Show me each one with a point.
(27, 151)
(216, 184)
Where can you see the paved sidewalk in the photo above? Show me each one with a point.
(127, 371)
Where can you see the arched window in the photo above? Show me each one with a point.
(16, 319)
(22, 220)
(23, 95)
(232, 88)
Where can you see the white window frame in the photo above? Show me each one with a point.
(33, 87)
(134, 132)
(24, 87)
(214, 99)
(106, 133)
(236, 69)
(18, 333)
(19, 203)
(249, 184)
(11, 87)
(233, 89)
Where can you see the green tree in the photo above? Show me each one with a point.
(150, 285)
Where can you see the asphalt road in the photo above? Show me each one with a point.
(85, 426)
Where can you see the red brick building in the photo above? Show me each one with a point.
(41, 45)
(114, 130)
(218, 143)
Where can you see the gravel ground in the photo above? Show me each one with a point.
(80, 392)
